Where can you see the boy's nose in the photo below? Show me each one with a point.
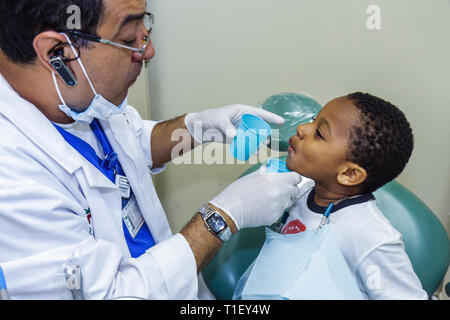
(300, 131)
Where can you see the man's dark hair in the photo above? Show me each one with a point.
(382, 142)
(22, 20)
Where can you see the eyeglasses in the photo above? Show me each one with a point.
(148, 21)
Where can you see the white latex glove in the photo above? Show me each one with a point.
(258, 199)
(225, 120)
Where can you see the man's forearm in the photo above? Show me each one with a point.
(163, 142)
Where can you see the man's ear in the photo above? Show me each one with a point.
(43, 44)
(351, 175)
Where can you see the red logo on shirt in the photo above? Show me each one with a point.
(88, 214)
(294, 226)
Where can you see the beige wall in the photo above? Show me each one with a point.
(214, 53)
(139, 95)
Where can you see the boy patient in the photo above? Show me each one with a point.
(355, 145)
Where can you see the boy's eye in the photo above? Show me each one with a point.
(319, 134)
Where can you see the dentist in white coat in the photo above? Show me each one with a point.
(72, 227)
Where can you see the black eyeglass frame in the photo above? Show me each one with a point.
(90, 37)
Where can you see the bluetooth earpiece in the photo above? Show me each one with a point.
(58, 63)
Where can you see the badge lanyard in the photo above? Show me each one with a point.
(111, 162)
(112, 169)
(109, 166)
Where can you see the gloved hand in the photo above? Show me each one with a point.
(225, 120)
(258, 199)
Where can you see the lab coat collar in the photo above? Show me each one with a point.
(115, 133)
(33, 123)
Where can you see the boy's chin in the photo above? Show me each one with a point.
(291, 165)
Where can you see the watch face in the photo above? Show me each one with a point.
(216, 223)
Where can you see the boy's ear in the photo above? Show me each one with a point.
(351, 175)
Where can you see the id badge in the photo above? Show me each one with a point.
(123, 185)
(132, 217)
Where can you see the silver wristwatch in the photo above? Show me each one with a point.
(215, 222)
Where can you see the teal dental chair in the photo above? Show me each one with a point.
(426, 240)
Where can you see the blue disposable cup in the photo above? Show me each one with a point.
(251, 133)
(276, 166)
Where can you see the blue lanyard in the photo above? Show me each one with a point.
(111, 161)
(110, 167)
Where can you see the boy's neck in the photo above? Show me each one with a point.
(324, 196)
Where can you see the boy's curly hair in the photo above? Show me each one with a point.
(383, 141)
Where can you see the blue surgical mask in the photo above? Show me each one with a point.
(99, 107)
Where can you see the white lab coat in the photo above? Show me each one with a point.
(46, 188)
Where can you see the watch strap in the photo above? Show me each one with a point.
(226, 234)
